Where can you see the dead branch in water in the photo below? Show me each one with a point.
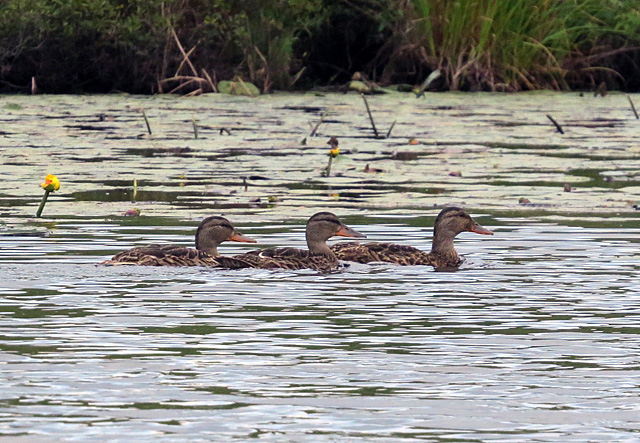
(373, 124)
(195, 128)
(211, 83)
(633, 108)
(146, 120)
(315, 128)
(184, 54)
(558, 127)
(200, 83)
(390, 128)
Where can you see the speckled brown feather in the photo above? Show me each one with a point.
(391, 253)
(162, 255)
(281, 258)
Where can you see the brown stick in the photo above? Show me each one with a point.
(194, 93)
(146, 120)
(373, 125)
(184, 54)
(195, 128)
(267, 78)
(313, 132)
(633, 108)
(296, 77)
(184, 77)
(244, 85)
(208, 77)
(389, 131)
(180, 86)
(184, 60)
(558, 127)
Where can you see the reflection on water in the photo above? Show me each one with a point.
(534, 339)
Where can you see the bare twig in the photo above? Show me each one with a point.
(183, 85)
(194, 92)
(146, 120)
(390, 128)
(296, 77)
(184, 54)
(373, 125)
(267, 77)
(208, 77)
(195, 128)
(633, 108)
(184, 60)
(315, 128)
(244, 85)
(558, 127)
(178, 78)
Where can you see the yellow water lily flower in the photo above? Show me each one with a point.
(334, 152)
(51, 183)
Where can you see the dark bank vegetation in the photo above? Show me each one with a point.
(188, 46)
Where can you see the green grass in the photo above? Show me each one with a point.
(519, 44)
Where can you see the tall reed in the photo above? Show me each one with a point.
(510, 44)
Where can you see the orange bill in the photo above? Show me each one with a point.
(346, 231)
(236, 236)
(480, 229)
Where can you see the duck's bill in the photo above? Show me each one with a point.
(346, 231)
(236, 236)
(481, 230)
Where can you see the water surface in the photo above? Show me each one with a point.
(534, 339)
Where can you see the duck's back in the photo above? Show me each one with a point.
(382, 252)
(162, 255)
(280, 258)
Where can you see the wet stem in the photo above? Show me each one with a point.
(329, 165)
(42, 203)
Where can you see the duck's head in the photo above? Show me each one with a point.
(215, 230)
(324, 225)
(452, 221)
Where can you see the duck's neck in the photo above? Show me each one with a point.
(442, 246)
(318, 246)
(207, 245)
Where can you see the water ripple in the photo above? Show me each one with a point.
(534, 339)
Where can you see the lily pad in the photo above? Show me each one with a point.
(238, 88)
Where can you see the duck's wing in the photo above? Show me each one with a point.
(382, 252)
(162, 255)
(279, 258)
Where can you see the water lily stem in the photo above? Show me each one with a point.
(329, 166)
(42, 203)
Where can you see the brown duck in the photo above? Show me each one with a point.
(449, 223)
(320, 228)
(211, 232)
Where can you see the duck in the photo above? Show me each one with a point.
(449, 223)
(210, 233)
(319, 256)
